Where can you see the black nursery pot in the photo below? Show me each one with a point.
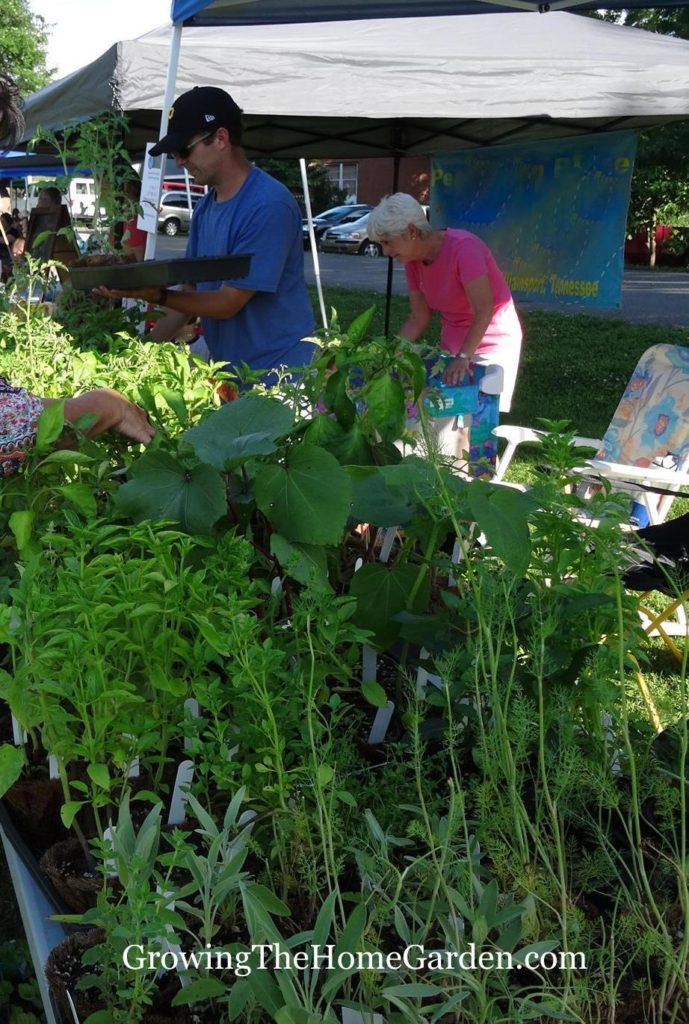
(76, 882)
(34, 806)
(64, 968)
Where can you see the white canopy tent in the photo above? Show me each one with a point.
(369, 88)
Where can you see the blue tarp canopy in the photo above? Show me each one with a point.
(277, 12)
(14, 164)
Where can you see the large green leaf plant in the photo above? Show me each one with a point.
(301, 474)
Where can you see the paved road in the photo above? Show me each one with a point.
(652, 297)
(648, 297)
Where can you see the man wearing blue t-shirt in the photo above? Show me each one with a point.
(264, 318)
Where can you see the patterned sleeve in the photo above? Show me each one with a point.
(19, 413)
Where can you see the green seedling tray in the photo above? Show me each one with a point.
(159, 273)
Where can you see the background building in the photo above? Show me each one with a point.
(367, 181)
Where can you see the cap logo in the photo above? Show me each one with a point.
(209, 117)
(171, 114)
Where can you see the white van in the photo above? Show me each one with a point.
(80, 198)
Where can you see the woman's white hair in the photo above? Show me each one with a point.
(393, 215)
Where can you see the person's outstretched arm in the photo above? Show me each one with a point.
(222, 303)
(113, 412)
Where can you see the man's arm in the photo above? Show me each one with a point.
(168, 327)
(221, 303)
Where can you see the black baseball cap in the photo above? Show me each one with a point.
(202, 109)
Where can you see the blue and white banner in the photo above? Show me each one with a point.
(553, 213)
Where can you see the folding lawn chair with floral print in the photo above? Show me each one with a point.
(645, 450)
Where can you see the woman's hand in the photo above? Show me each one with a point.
(130, 420)
(112, 411)
(456, 370)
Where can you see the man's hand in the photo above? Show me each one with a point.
(150, 295)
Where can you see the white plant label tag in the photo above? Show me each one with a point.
(133, 770)
(381, 723)
(354, 1017)
(423, 677)
(178, 803)
(369, 662)
(388, 541)
(72, 1006)
(19, 736)
(171, 946)
(109, 863)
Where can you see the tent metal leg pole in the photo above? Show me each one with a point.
(312, 239)
(175, 44)
(388, 286)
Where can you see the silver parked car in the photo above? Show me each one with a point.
(336, 215)
(351, 238)
(173, 213)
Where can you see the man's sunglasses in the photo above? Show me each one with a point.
(183, 152)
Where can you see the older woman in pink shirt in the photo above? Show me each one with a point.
(453, 272)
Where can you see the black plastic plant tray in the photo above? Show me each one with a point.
(158, 273)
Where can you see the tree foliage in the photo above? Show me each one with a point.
(660, 186)
(23, 46)
(668, 21)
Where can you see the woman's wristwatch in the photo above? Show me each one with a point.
(464, 355)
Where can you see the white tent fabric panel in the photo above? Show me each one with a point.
(415, 85)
